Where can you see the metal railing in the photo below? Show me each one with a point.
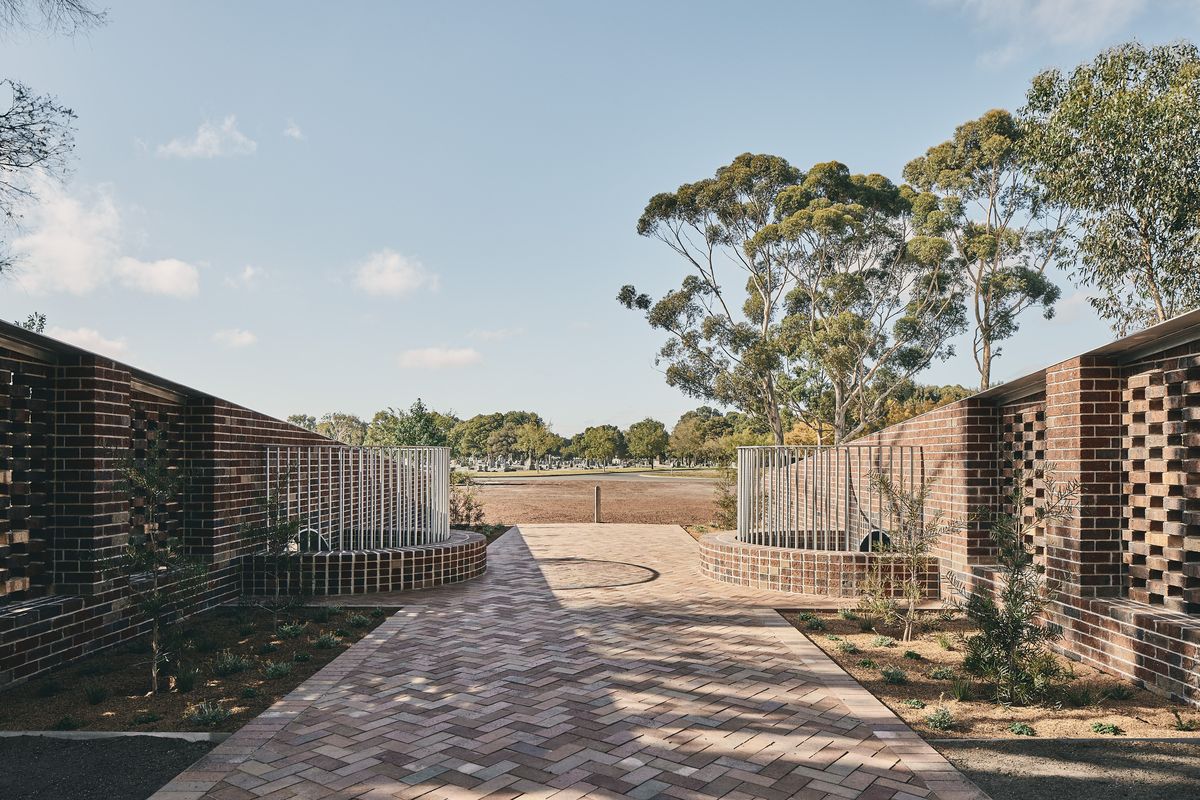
(820, 498)
(363, 498)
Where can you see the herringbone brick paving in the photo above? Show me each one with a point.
(590, 661)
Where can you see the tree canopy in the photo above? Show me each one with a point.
(1119, 140)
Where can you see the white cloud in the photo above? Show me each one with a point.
(1030, 23)
(168, 276)
(292, 131)
(233, 337)
(246, 279)
(439, 357)
(90, 339)
(495, 334)
(388, 272)
(73, 243)
(211, 140)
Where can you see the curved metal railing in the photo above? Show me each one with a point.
(363, 498)
(820, 498)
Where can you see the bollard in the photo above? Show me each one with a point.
(597, 504)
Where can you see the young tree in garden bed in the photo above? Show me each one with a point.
(1011, 650)
(273, 539)
(913, 531)
(164, 580)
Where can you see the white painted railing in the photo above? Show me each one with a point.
(820, 498)
(363, 498)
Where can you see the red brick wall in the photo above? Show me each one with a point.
(65, 515)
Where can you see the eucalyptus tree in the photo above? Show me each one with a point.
(724, 339)
(647, 439)
(534, 440)
(871, 301)
(1119, 139)
(978, 191)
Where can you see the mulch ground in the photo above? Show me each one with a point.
(125, 768)
(671, 501)
(933, 674)
(1074, 770)
(108, 691)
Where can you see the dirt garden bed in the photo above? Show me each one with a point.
(233, 664)
(915, 678)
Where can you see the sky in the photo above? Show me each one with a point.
(303, 207)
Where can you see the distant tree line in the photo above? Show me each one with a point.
(702, 436)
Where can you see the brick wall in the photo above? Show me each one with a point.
(1127, 562)
(69, 417)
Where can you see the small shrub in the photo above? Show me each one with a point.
(246, 630)
(276, 669)
(186, 680)
(894, 675)
(943, 674)
(326, 641)
(208, 714)
(815, 624)
(946, 615)
(867, 663)
(866, 624)
(1079, 696)
(291, 631)
(805, 616)
(833, 637)
(1107, 729)
(941, 719)
(341, 633)
(48, 688)
(849, 648)
(1182, 724)
(913, 702)
(301, 657)
(945, 641)
(358, 620)
(378, 613)
(67, 723)
(1118, 693)
(883, 641)
(962, 690)
(249, 692)
(913, 655)
(145, 718)
(230, 663)
(846, 613)
(96, 693)
(266, 648)
(1021, 729)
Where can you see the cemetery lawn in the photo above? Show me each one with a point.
(232, 663)
(930, 676)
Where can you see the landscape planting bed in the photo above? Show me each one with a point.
(107, 691)
(1092, 697)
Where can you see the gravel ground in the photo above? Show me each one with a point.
(1119, 769)
(125, 768)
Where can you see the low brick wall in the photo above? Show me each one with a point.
(831, 573)
(340, 572)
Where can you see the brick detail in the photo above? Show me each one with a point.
(1023, 430)
(462, 557)
(829, 573)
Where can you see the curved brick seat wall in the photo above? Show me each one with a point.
(335, 572)
(832, 573)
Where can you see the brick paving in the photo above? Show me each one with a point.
(590, 661)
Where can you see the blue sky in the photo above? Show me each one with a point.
(307, 207)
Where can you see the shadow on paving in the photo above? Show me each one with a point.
(499, 685)
(1080, 770)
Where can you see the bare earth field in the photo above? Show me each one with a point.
(633, 498)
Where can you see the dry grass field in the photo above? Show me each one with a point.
(624, 498)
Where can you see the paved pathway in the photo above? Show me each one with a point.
(591, 661)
